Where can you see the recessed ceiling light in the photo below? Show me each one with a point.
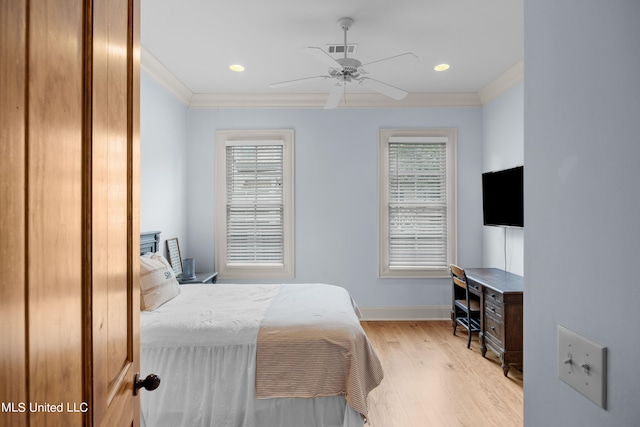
(441, 67)
(236, 67)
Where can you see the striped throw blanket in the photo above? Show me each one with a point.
(311, 344)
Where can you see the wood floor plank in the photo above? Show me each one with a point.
(433, 380)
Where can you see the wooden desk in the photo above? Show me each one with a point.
(501, 298)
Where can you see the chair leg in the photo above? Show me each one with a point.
(469, 340)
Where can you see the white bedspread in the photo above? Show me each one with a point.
(202, 344)
(205, 315)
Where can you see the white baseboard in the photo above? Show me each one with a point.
(433, 312)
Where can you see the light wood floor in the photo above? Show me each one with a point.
(433, 380)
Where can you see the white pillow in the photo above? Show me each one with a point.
(158, 282)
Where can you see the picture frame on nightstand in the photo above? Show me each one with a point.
(173, 247)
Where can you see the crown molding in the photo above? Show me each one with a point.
(164, 77)
(506, 81)
(317, 100)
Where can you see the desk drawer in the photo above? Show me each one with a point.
(491, 308)
(493, 329)
(493, 296)
(474, 288)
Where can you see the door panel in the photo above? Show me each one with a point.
(13, 360)
(54, 147)
(115, 216)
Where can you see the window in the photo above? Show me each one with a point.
(417, 188)
(254, 204)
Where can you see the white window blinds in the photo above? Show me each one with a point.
(255, 203)
(417, 204)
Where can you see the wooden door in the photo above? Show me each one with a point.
(69, 182)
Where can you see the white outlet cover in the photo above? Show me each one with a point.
(582, 364)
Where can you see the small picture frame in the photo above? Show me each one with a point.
(173, 247)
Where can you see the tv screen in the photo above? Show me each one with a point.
(503, 197)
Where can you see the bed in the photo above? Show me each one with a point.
(289, 355)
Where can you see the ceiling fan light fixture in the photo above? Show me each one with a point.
(441, 67)
(236, 67)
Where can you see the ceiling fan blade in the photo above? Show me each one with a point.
(334, 96)
(297, 81)
(323, 57)
(406, 54)
(383, 88)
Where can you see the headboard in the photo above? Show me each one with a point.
(149, 241)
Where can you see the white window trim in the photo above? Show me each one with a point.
(254, 137)
(384, 137)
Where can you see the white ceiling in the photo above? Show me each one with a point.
(197, 40)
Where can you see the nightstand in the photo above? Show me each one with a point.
(200, 278)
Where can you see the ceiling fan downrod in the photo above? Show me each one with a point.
(345, 24)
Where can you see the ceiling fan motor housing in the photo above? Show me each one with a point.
(350, 67)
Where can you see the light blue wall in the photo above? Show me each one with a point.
(336, 234)
(163, 133)
(336, 193)
(503, 147)
(582, 206)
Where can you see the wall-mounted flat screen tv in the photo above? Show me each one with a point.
(503, 197)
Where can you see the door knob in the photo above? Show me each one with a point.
(151, 382)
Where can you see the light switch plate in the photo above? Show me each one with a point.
(583, 365)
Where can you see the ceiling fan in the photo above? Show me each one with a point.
(347, 71)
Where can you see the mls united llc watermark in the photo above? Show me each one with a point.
(19, 407)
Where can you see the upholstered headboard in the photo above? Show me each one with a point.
(149, 242)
